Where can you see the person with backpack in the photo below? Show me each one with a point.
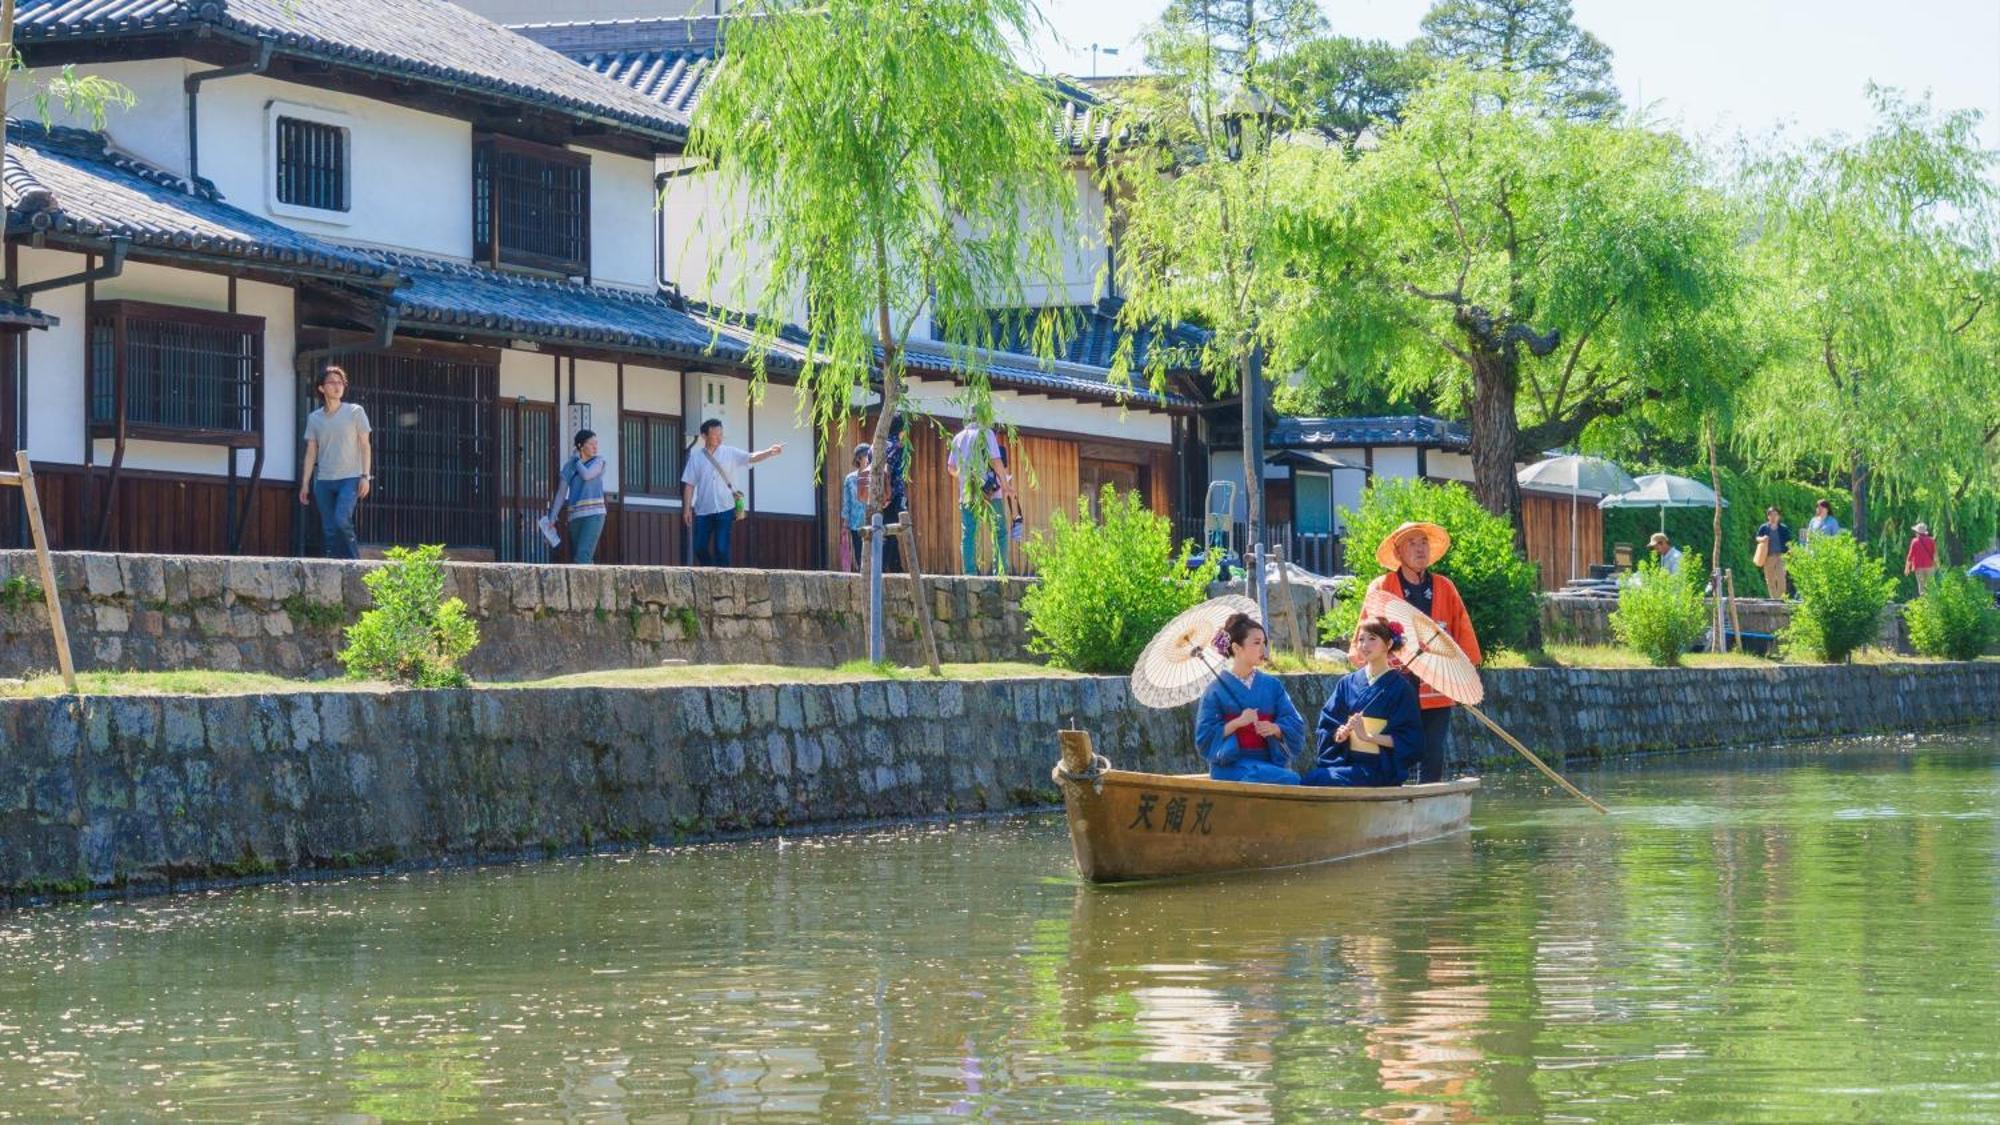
(978, 461)
(711, 499)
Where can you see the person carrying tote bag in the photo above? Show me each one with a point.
(710, 501)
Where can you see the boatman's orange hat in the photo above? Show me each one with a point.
(1439, 537)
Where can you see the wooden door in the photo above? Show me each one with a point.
(527, 478)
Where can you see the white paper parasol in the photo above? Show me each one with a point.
(1180, 662)
(1428, 651)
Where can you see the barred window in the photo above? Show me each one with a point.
(175, 373)
(530, 206)
(649, 452)
(312, 164)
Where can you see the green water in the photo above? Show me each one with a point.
(1808, 934)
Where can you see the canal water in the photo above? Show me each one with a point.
(1798, 934)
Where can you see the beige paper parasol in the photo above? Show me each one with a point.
(1432, 656)
(1180, 661)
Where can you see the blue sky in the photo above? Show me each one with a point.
(1712, 67)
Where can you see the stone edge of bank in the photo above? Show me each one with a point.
(136, 795)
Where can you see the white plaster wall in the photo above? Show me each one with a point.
(58, 358)
(785, 483)
(597, 386)
(733, 411)
(622, 220)
(653, 390)
(541, 11)
(410, 172)
(153, 129)
(1039, 412)
(1347, 488)
(1395, 463)
(698, 217)
(530, 375)
(1449, 466)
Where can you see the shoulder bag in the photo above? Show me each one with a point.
(742, 509)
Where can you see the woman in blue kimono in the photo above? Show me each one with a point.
(1371, 731)
(1247, 722)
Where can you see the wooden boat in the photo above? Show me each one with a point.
(1126, 825)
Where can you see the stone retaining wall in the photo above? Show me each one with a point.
(147, 793)
(1570, 619)
(284, 616)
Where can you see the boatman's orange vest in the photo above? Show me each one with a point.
(1448, 610)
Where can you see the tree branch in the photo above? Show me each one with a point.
(1977, 304)
(1458, 224)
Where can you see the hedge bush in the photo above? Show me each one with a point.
(1661, 614)
(1107, 585)
(1498, 585)
(414, 635)
(1843, 589)
(1955, 619)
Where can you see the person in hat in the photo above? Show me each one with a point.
(1921, 559)
(1371, 731)
(1669, 556)
(1247, 725)
(1407, 554)
(854, 502)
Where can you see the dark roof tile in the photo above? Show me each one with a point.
(432, 40)
(66, 181)
(1414, 429)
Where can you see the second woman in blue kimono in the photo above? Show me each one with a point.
(1371, 731)
(1247, 726)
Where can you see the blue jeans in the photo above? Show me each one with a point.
(711, 538)
(583, 534)
(335, 500)
(1253, 769)
(968, 545)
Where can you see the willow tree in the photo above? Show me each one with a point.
(1499, 257)
(886, 165)
(1877, 250)
(1197, 197)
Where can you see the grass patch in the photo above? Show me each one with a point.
(731, 675)
(45, 684)
(305, 612)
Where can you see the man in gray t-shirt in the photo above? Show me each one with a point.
(336, 474)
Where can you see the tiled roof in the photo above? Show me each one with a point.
(1415, 429)
(21, 316)
(670, 59)
(1024, 373)
(1090, 335)
(427, 40)
(66, 182)
(490, 302)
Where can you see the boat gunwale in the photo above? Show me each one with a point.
(1311, 794)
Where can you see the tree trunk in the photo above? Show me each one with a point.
(1858, 490)
(1715, 486)
(1253, 471)
(1495, 431)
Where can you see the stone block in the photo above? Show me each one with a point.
(144, 578)
(102, 575)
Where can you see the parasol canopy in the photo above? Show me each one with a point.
(1428, 652)
(1663, 491)
(1576, 474)
(1180, 662)
(1987, 568)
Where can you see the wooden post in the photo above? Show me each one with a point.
(906, 535)
(1077, 754)
(1299, 641)
(1735, 622)
(33, 505)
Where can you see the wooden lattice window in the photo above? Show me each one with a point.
(435, 455)
(312, 164)
(174, 373)
(530, 206)
(650, 448)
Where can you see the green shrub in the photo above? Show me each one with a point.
(1842, 591)
(20, 592)
(1498, 585)
(1955, 619)
(1107, 585)
(1661, 614)
(414, 635)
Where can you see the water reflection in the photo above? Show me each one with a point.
(1801, 935)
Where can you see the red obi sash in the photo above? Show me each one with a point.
(1248, 738)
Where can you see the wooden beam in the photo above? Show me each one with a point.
(25, 480)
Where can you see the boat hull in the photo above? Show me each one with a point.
(1127, 826)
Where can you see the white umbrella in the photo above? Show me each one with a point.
(1663, 491)
(1576, 474)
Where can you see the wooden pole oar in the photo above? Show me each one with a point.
(1530, 755)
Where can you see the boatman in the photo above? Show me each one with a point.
(1407, 554)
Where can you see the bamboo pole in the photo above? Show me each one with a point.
(29, 499)
(1538, 763)
(906, 535)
